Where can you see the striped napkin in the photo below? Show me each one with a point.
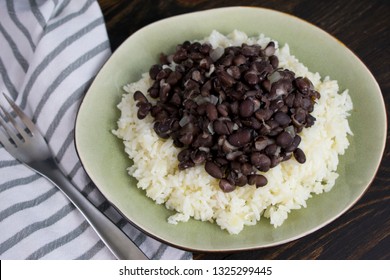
(50, 51)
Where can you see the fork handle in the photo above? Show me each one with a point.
(115, 239)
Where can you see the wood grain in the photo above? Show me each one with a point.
(363, 26)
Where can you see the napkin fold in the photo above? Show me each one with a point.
(50, 51)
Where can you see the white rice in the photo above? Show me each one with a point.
(194, 193)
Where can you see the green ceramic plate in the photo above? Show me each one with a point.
(103, 157)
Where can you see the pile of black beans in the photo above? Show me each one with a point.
(231, 109)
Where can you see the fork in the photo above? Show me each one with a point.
(29, 147)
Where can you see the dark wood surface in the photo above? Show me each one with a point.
(363, 26)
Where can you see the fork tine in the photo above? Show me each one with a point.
(4, 141)
(24, 118)
(21, 131)
(10, 133)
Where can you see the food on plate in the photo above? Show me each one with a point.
(232, 128)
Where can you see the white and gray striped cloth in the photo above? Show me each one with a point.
(50, 51)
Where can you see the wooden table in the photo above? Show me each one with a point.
(363, 26)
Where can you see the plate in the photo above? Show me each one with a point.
(103, 157)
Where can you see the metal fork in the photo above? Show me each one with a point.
(29, 147)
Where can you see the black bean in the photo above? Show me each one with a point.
(289, 100)
(285, 156)
(274, 60)
(205, 63)
(261, 143)
(284, 109)
(161, 115)
(251, 77)
(236, 94)
(188, 63)
(241, 180)
(259, 65)
(246, 168)
(154, 70)
(223, 127)
(269, 49)
(232, 177)
(266, 85)
(190, 127)
(272, 124)
(235, 166)
(307, 104)
(206, 88)
(243, 159)
(226, 60)
(316, 94)
(203, 140)
(205, 48)
(257, 179)
(223, 110)
(227, 147)
(190, 105)
(221, 161)
(260, 161)
(234, 107)
(303, 84)
(249, 51)
(184, 155)
(211, 112)
(234, 71)
(282, 118)
(284, 139)
(186, 138)
(163, 74)
(156, 109)
(240, 138)
(140, 97)
(226, 79)
(310, 120)
(295, 143)
(213, 169)
(162, 129)
(239, 60)
(264, 130)
(173, 78)
(275, 131)
(300, 115)
(186, 164)
(271, 149)
(180, 55)
(255, 123)
(275, 160)
(226, 186)
(154, 92)
(180, 68)
(194, 47)
(176, 99)
(298, 100)
(191, 85)
(143, 110)
(263, 114)
(246, 108)
(299, 155)
(280, 88)
(198, 157)
(196, 56)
